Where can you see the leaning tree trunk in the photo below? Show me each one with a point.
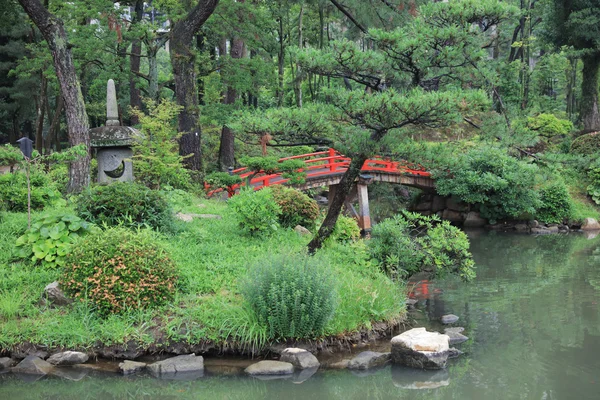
(335, 207)
(183, 62)
(589, 93)
(77, 121)
(135, 97)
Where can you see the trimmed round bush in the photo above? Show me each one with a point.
(118, 269)
(556, 203)
(257, 212)
(124, 203)
(586, 144)
(293, 295)
(296, 207)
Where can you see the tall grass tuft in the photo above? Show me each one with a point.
(293, 295)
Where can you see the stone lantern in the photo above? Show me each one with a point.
(113, 143)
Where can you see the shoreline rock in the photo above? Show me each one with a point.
(420, 349)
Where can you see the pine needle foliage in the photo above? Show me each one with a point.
(293, 295)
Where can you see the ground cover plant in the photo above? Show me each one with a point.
(212, 257)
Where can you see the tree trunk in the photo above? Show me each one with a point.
(54, 130)
(280, 61)
(571, 84)
(589, 93)
(335, 207)
(77, 121)
(298, 79)
(135, 98)
(41, 112)
(184, 73)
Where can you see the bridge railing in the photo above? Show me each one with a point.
(318, 164)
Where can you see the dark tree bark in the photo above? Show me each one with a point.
(335, 207)
(589, 93)
(41, 112)
(183, 62)
(53, 31)
(54, 131)
(227, 144)
(135, 98)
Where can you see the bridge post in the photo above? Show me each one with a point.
(364, 215)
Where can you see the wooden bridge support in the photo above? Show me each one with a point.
(363, 215)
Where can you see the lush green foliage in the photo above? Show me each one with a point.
(10, 155)
(51, 238)
(586, 144)
(296, 207)
(556, 204)
(501, 185)
(593, 175)
(289, 169)
(257, 212)
(156, 153)
(548, 125)
(118, 269)
(293, 295)
(409, 243)
(346, 230)
(13, 190)
(130, 204)
(222, 180)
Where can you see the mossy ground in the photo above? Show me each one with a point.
(212, 255)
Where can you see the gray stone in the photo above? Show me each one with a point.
(411, 302)
(474, 220)
(112, 107)
(28, 350)
(190, 217)
(70, 373)
(301, 230)
(176, 365)
(449, 319)
(321, 200)
(454, 204)
(68, 358)
(299, 358)
(590, 224)
(303, 374)
(423, 206)
(438, 203)
(454, 329)
(128, 367)
(54, 295)
(114, 164)
(453, 352)
(418, 348)
(33, 365)
(452, 216)
(533, 223)
(455, 337)
(270, 368)
(553, 228)
(419, 380)
(369, 359)
(6, 363)
(339, 365)
(184, 217)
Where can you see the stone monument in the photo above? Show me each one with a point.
(113, 143)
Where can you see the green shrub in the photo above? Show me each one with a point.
(296, 207)
(548, 125)
(222, 180)
(501, 185)
(10, 155)
(556, 203)
(156, 153)
(13, 190)
(294, 296)
(593, 174)
(257, 212)
(346, 229)
(51, 238)
(392, 245)
(586, 144)
(118, 269)
(409, 243)
(130, 204)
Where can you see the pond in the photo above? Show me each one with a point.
(532, 316)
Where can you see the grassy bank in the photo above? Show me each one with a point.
(211, 256)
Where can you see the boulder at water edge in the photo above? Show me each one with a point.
(6, 363)
(34, 366)
(590, 224)
(299, 358)
(455, 335)
(186, 363)
(270, 368)
(129, 367)
(68, 358)
(449, 319)
(418, 348)
(369, 359)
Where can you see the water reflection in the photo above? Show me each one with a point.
(532, 317)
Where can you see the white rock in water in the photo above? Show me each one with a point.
(418, 348)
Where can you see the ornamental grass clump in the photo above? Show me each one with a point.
(293, 295)
(118, 269)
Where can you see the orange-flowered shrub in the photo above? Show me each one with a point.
(118, 269)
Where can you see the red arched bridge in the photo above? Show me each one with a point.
(325, 168)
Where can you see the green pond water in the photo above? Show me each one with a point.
(532, 316)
